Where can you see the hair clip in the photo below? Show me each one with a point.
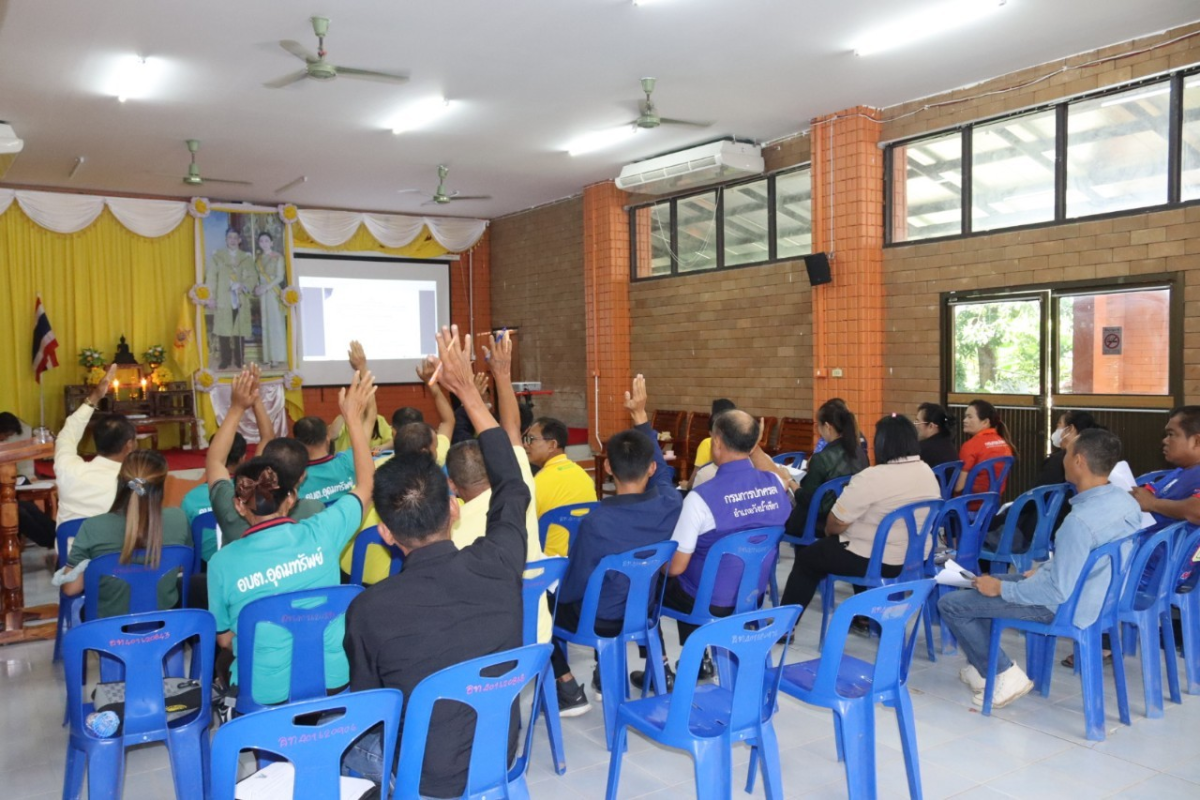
(137, 486)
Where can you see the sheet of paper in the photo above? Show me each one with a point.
(275, 781)
(952, 575)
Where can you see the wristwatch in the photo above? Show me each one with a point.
(87, 401)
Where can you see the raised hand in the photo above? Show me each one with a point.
(354, 398)
(358, 358)
(482, 385)
(454, 371)
(244, 392)
(102, 388)
(635, 400)
(499, 355)
(426, 369)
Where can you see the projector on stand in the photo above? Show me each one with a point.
(527, 386)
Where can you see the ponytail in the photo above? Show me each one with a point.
(937, 415)
(838, 416)
(139, 496)
(986, 411)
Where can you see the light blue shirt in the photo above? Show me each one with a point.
(1098, 516)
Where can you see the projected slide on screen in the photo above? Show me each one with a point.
(394, 308)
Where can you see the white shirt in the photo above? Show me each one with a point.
(85, 488)
(25, 468)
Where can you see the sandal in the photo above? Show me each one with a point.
(1069, 661)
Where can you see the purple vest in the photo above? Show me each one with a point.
(740, 498)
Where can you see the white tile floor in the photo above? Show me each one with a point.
(1034, 748)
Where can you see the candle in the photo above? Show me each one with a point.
(143, 385)
(116, 384)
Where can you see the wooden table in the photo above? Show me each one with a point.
(12, 581)
(149, 425)
(45, 496)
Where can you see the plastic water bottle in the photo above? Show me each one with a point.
(103, 723)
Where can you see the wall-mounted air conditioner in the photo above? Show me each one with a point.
(716, 162)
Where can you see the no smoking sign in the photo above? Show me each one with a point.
(1111, 343)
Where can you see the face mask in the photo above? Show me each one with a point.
(1057, 437)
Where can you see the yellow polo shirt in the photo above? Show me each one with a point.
(703, 453)
(561, 482)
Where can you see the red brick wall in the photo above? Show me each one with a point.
(537, 285)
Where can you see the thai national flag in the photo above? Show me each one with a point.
(45, 346)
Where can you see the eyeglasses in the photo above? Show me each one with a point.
(527, 439)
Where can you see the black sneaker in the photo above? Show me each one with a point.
(572, 701)
(596, 684)
(707, 669)
(861, 626)
(638, 676)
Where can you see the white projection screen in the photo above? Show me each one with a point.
(393, 306)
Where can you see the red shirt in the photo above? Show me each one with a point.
(983, 445)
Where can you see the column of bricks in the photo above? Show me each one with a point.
(606, 298)
(848, 325)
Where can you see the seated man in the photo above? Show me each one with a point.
(32, 523)
(1176, 495)
(329, 475)
(277, 554)
(559, 481)
(88, 488)
(739, 497)
(447, 605)
(1100, 513)
(644, 511)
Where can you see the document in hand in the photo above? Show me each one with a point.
(954, 575)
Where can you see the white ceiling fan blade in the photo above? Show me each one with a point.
(296, 182)
(371, 75)
(226, 180)
(298, 50)
(287, 80)
(471, 197)
(669, 121)
(409, 191)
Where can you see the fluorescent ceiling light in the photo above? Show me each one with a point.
(936, 19)
(132, 78)
(601, 139)
(420, 114)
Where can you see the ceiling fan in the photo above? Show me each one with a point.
(318, 68)
(193, 177)
(441, 196)
(649, 118)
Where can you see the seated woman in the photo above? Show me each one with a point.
(900, 477)
(136, 521)
(935, 429)
(279, 554)
(843, 456)
(989, 439)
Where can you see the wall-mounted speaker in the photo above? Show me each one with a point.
(818, 269)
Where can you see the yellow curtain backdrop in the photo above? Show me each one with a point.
(97, 285)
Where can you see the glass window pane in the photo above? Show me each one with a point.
(927, 188)
(997, 347)
(1117, 151)
(793, 214)
(1191, 137)
(746, 234)
(697, 236)
(1012, 172)
(1114, 343)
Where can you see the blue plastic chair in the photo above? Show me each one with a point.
(1145, 604)
(314, 750)
(1152, 476)
(995, 470)
(567, 517)
(68, 607)
(753, 553)
(1040, 639)
(203, 522)
(306, 615)
(363, 541)
(1188, 604)
(947, 474)
(834, 486)
(964, 522)
(142, 580)
(643, 568)
(850, 687)
(792, 458)
(533, 594)
(491, 693)
(920, 539)
(1047, 502)
(706, 719)
(140, 643)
